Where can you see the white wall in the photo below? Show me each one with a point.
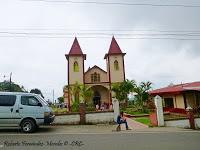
(67, 119)
(91, 118)
(95, 118)
(178, 123)
(197, 123)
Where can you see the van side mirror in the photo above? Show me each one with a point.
(39, 104)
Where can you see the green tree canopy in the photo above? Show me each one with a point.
(142, 93)
(123, 89)
(61, 100)
(37, 91)
(79, 92)
(11, 87)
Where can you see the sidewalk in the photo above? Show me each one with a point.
(135, 125)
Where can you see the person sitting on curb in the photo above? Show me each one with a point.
(121, 119)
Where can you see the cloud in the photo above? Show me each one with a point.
(40, 62)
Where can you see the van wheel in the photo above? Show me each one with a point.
(28, 126)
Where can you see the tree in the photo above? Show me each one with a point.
(11, 87)
(142, 93)
(86, 93)
(123, 89)
(37, 91)
(75, 91)
(61, 100)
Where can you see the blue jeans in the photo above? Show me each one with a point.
(124, 121)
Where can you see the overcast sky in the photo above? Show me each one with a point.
(35, 36)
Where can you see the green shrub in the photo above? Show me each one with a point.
(75, 107)
(90, 107)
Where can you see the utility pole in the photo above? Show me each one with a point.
(10, 82)
(53, 97)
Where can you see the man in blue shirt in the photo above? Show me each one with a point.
(121, 119)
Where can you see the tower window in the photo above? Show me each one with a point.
(116, 65)
(76, 67)
(95, 77)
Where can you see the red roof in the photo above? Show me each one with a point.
(75, 49)
(114, 48)
(177, 89)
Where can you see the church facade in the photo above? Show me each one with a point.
(99, 80)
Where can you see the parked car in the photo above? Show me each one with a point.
(25, 110)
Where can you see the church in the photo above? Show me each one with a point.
(98, 79)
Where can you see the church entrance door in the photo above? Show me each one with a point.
(97, 98)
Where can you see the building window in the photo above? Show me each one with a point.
(116, 65)
(95, 77)
(76, 68)
(169, 103)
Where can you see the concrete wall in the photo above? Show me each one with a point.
(91, 118)
(183, 123)
(95, 118)
(178, 123)
(197, 123)
(67, 119)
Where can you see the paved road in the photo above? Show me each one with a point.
(53, 138)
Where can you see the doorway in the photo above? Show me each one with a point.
(97, 98)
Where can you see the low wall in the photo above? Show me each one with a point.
(99, 117)
(184, 123)
(71, 118)
(197, 123)
(91, 118)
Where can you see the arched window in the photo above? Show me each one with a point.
(116, 65)
(95, 77)
(76, 68)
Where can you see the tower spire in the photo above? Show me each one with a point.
(75, 50)
(114, 48)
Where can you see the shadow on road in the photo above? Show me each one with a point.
(15, 130)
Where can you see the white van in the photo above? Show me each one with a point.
(25, 110)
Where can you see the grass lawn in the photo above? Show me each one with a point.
(144, 120)
(134, 111)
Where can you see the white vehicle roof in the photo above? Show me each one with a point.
(18, 93)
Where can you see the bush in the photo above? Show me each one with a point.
(75, 107)
(90, 107)
(59, 110)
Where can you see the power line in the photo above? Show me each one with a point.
(98, 30)
(96, 37)
(102, 33)
(115, 3)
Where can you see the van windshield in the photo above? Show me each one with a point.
(42, 100)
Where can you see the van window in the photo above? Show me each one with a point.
(7, 100)
(29, 100)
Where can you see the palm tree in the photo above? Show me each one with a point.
(142, 93)
(123, 89)
(85, 93)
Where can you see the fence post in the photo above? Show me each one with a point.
(115, 103)
(159, 110)
(190, 116)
